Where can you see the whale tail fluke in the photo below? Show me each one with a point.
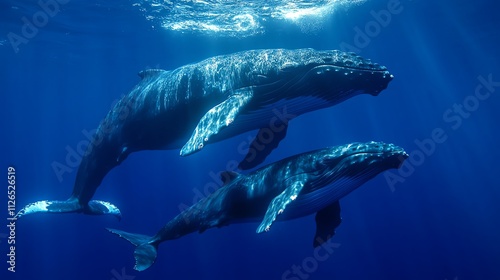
(72, 205)
(145, 252)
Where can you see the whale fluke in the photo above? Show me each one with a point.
(145, 253)
(72, 205)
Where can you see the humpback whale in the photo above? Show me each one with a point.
(294, 187)
(212, 100)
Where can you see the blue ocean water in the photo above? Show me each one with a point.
(436, 219)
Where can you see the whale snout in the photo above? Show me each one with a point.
(367, 154)
(396, 157)
(350, 60)
(372, 147)
(370, 154)
(358, 72)
(385, 150)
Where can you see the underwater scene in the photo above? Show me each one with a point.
(211, 139)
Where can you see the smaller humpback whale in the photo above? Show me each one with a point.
(213, 100)
(294, 187)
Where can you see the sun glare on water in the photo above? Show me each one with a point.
(234, 18)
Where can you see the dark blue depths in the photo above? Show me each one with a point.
(435, 219)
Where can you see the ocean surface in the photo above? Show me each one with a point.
(62, 68)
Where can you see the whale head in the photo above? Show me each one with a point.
(332, 173)
(360, 159)
(335, 172)
(329, 74)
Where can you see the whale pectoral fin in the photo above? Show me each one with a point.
(216, 119)
(278, 204)
(327, 220)
(255, 157)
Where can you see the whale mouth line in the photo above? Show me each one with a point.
(337, 68)
(334, 69)
(362, 67)
(388, 153)
(385, 154)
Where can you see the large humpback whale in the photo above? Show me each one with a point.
(294, 187)
(212, 100)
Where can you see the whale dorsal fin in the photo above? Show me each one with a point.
(278, 204)
(150, 73)
(327, 220)
(228, 176)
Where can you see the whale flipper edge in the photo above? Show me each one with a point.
(216, 119)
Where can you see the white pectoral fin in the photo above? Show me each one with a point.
(215, 119)
(278, 204)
